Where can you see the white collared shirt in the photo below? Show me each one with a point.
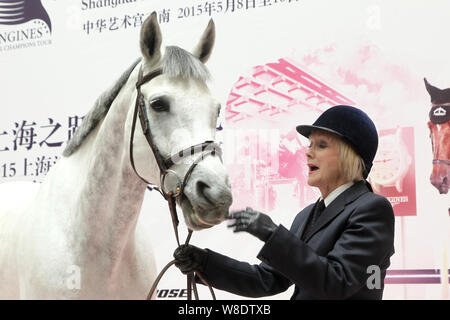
(336, 192)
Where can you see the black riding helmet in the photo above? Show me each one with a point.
(352, 125)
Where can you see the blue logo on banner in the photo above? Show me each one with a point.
(13, 12)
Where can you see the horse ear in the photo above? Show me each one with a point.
(151, 39)
(204, 48)
(433, 91)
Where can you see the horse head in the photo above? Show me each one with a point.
(439, 126)
(181, 112)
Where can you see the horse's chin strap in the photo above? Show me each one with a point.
(164, 165)
(439, 161)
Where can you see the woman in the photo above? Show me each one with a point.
(335, 248)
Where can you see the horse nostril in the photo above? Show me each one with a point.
(202, 190)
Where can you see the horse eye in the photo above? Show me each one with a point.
(160, 105)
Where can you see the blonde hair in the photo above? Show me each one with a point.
(351, 164)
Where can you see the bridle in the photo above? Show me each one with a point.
(433, 119)
(207, 148)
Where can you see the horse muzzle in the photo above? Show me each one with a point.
(198, 218)
(440, 182)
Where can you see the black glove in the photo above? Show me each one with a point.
(256, 223)
(190, 258)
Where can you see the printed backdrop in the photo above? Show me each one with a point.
(276, 64)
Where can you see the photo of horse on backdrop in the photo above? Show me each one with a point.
(85, 213)
(439, 126)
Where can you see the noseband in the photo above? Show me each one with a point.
(206, 148)
(439, 161)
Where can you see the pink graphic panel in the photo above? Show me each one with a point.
(268, 170)
(393, 172)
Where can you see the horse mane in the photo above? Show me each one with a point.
(179, 63)
(98, 112)
(176, 63)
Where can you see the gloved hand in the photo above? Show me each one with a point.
(189, 258)
(254, 222)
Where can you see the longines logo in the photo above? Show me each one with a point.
(23, 24)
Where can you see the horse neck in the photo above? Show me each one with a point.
(111, 195)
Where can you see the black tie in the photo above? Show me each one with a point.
(318, 209)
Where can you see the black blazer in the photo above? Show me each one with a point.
(354, 232)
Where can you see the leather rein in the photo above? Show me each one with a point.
(206, 148)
